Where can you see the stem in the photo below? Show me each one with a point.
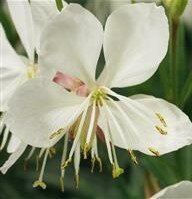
(173, 58)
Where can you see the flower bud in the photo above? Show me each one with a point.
(175, 7)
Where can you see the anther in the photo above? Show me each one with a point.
(133, 157)
(57, 133)
(116, 171)
(154, 151)
(161, 118)
(39, 184)
(160, 130)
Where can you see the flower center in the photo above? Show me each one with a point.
(32, 71)
(98, 96)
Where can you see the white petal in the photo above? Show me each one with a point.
(138, 125)
(43, 12)
(71, 44)
(12, 70)
(22, 17)
(180, 190)
(40, 108)
(135, 42)
(13, 158)
(13, 145)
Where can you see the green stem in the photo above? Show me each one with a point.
(173, 58)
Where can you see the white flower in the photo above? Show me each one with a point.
(181, 190)
(17, 69)
(135, 41)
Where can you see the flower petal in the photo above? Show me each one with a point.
(71, 44)
(22, 17)
(42, 12)
(182, 190)
(41, 108)
(135, 42)
(150, 125)
(12, 70)
(14, 143)
(13, 158)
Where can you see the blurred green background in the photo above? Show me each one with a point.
(138, 181)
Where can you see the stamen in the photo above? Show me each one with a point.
(52, 152)
(95, 156)
(85, 150)
(39, 157)
(77, 181)
(131, 125)
(79, 129)
(116, 171)
(100, 164)
(40, 182)
(91, 124)
(57, 133)
(92, 164)
(109, 150)
(28, 157)
(63, 160)
(133, 157)
(66, 163)
(160, 130)
(161, 118)
(77, 164)
(154, 151)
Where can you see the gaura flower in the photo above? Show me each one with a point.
(135, 41)
(182, 190)
(17, 69)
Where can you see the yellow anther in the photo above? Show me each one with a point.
(57, 133)
(133, 157)
(116, 171)
(66, 163)
(100, 164)
(160, 130)
(161, 118)
(92, 164)
(77, 181)
(39, 184)
(154, 151)
(62, 183)
(85, 150)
